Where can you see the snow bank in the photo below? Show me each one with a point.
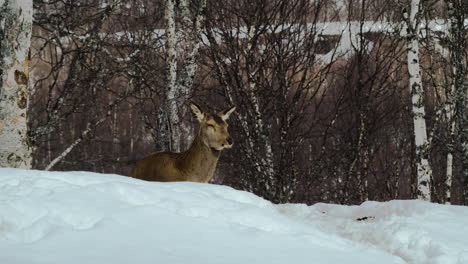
(81, 217)
(416, 231)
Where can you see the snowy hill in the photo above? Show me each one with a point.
(81, 217)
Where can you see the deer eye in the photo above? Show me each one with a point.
(212, 126)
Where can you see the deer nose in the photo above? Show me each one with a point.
(229, 140)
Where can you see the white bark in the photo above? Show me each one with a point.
(191, 32)
(172, 93)
(424, 171)
(15, 31)
(450, 118)
(448, 180)
(180, 85)
(266, 161)
(456, 101)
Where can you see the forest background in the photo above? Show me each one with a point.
(337, 101)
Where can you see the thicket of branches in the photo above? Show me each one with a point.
(323, 106)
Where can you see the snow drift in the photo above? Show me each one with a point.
(82, 217)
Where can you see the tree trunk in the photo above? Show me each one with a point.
(458, 92)
(168, 118)
(191, 31)
(175, 134)
(424, 171)
(449, 109)
(16, 28)
(265, 160)
(463, 125)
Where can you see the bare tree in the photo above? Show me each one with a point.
(424, 170)
(179, 83)
(457, 14)
(444, 53)
(83, 61)
(15, 29)
(372, 65)
(263, 55)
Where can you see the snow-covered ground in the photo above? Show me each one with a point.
(81, 217)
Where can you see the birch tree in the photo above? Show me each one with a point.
(172, 131)
(454, 107)
(424, 171)
(15, 32)
(458, 94)
(463, 124)
(262, 55)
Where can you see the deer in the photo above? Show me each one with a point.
(196, 164)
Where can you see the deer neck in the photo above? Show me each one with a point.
(200, 160)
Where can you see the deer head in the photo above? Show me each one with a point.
(213, 128)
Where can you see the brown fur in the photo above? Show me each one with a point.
(196, 164)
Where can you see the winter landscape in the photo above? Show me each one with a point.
(233, 131)
(81, 217)
(338, 101)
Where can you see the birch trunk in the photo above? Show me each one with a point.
(15, 32)
(191, 31)
(424, 171)
(448, 180)
(463, 124)
(458, 92)
(179, 86)
(450, 119)
(361, 162)
(265, 162)
(168, 114)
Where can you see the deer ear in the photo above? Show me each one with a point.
(226, 113)
(197, 112)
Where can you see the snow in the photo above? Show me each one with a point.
(82, 217)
